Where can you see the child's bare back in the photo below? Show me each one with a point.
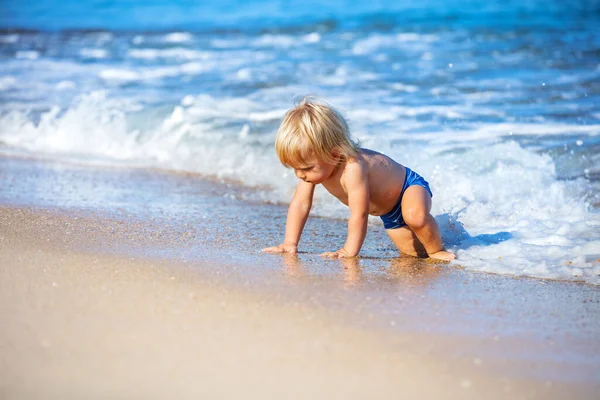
(384, 176)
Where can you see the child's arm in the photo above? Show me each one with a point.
(296, 218)
(357, 186)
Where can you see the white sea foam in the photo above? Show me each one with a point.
(376, 42)
(396, 113)
(272, 40)
(228, 43)
(102, 38)
(518, 129)
(149, 74)
(60, 132)
(517, 218)
(244, 74)
(401, 87)
(7, 82)
(27, 55)
(370, 44)
(194, 68)
(312, 38)
(66, 85)
(178, 37)
(121, 74)
(470, 132)
(12, 38)
(174, 53)
(94, 53)
(108, 134)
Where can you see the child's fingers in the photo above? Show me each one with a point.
(279, 249)
(330, 254)
(275, 249)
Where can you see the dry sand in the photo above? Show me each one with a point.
(80, 320)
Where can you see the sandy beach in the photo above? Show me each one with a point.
(100, 301)
(78, 323)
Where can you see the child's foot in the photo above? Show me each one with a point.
(443, 255)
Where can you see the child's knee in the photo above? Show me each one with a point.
(416, 218)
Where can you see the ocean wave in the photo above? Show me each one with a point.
(375, 42)
(7, 39)
(174, 53)
(178, 37)
(94, 53)
(152, 74)
(27, 55)
(8, 82)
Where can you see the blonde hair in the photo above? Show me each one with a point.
(314, 129)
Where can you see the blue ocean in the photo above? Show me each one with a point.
(496, 104)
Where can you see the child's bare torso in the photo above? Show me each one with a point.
(385, 178)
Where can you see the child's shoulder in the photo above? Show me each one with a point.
(365, 161)
(370, 156)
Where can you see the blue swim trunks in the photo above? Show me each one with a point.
(393, 219)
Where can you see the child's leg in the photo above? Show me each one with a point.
(416, 207)
(407, 242)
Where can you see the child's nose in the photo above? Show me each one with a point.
(300, 174)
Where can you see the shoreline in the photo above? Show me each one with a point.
(86, 318)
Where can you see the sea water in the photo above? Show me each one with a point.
(496, 104)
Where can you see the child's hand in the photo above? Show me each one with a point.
(290, 248)
(341, 253)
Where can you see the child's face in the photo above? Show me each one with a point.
(314, 171)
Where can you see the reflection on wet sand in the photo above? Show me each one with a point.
(413, 271)
(403, 270)
(352, 271)
(292, 265)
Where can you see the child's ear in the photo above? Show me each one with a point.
(336, 153)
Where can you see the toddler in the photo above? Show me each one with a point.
(314, 140)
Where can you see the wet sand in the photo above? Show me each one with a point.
(106, 290)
